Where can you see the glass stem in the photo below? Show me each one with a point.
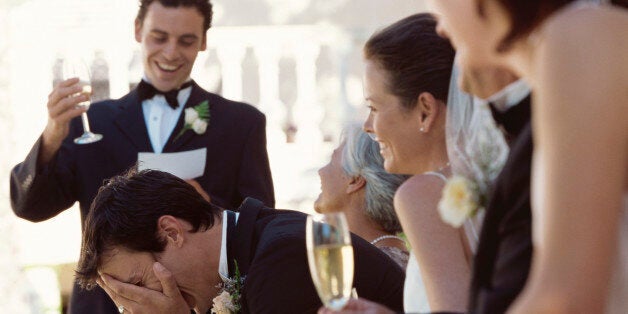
(85, 123)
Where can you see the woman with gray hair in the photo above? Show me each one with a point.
(354, 182)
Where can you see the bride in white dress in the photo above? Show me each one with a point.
(409, 57)
(574, 55)
(406, 82)
(469, 130)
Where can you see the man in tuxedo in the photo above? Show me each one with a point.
(502, 261)
(57, 172)
(157, 246)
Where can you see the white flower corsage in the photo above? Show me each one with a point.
(228, 301)
(196, 118)
(461, 199)
(223, 304)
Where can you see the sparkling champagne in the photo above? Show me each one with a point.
(331, 266)
(87, 89)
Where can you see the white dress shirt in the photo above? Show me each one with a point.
(223, 264)
(510, 96)
(161, 119)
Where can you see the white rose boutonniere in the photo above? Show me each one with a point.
(196, 119)
(190, 115)
(199, 126)
(228, 301)
(461, 199)
(222, 304)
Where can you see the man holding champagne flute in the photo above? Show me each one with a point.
(156, 117)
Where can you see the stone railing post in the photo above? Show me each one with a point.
(307, 112)
(270, 103)
(231, 56)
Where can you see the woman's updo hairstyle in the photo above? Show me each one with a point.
(414, 57)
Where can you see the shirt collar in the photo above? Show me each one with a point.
(510, 96)
(223, 264)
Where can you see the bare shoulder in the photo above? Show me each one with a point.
(589, 24)
(575, 16)
(419, 190)
(581, 59)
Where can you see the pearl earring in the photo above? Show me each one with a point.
(422, 130)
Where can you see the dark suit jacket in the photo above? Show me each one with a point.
(236, 167)
(269, 247)
(502, 261)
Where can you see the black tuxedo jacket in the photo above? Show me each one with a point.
(269, 247)
(502, 261)
(236, 167)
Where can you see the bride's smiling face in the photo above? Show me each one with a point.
(474, 37)
(396, 128)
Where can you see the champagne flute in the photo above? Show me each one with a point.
(330, 257)
(74, 67)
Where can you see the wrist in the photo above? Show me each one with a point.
(50, 143)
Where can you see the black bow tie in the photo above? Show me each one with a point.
(514, 119)
(147, 91)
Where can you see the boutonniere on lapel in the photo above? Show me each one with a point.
(196, 118)
(228, 301)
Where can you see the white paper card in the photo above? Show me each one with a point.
(185, 165)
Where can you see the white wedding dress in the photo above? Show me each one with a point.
(465, 119)
(414, 293)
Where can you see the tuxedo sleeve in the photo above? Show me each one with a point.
(255, 179)
(279, 280)
(40, 192)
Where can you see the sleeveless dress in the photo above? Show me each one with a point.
(414, 293)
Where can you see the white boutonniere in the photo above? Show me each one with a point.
(196, 118)
(228, 301)
(461, 199)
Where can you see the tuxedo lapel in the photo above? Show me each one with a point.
(514, 119)
(241, 244)
(131, 122)
(502, 261)
(196, 97)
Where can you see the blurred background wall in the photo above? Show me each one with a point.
(299, 61)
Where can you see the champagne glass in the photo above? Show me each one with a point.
(330, 257)
(74, 67)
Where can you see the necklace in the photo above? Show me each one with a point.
(387, 236)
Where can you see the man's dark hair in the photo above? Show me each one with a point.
(526, 15)
(125, 212)
(204, 7)
(415, 58)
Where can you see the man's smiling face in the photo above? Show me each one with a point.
(171, 38)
